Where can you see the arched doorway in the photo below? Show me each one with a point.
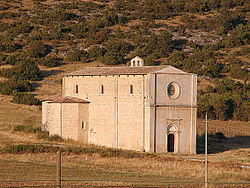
(170, 146)
(171, 139)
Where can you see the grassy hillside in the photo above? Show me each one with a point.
(209, 38)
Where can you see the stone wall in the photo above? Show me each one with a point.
(118, 117)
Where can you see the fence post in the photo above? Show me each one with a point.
(206, 170)
(58, 172)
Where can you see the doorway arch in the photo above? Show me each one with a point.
(171, 139)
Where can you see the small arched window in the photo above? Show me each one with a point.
(83, 125)
(76, 89)
(102, 89)
(131, 90)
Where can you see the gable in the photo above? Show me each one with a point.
(171, 70)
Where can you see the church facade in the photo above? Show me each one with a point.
(142, 108)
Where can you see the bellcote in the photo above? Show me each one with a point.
(137, 62)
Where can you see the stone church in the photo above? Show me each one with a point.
(143, 108)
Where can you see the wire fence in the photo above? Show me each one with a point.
(89, 182)
(62, 181)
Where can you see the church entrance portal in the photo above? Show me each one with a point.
(170, 143)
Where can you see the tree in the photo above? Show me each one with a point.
(212, 68)
(112, 58)
(116, 51)
(12, 86)
(26, 70)
(37, 49)
(24, 98)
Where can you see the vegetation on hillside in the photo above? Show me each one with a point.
(209, 38)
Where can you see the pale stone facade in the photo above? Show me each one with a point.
(141, 108)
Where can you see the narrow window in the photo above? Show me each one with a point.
(76, 89)
(83, 125)
(102, 90)
(131, 90)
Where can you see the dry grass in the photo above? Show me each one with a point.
(228, 128)
(161, 168)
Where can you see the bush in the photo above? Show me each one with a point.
(219, 135)
(59, 15)
(27, 70)
(95, 52)
(113, 58)
(19, 28)
(238, 36)
(12, 86)
(25, 99)
(37, 49)
(10, 47)
(74, 55)
(45, 136)
(79, 30)
(49, 61)
(212, 68)
(29, 148)
(15, 58)
(237, 72)
(2, 57)
(23, 128)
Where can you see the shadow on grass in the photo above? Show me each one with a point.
(218, 143)
(46, 73)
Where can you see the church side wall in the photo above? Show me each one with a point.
(102, 107)
(116, 116)
(130, 113)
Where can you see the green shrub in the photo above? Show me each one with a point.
(238, 36)
(29, 148)
(17, 28)
(37, 49)
(245, 50)
(27, 70)
(49, 61)
(236, 71)
(3, 57)
(25, 99)
(77, 55)
(12, 86)
(74, 55)
(113, 58)
(58, 14)
(23, 128)
(219, 135)
(95, 52)
(15, 58)
(10, 47)
(79, 30)
(45, 136)
(4, 27)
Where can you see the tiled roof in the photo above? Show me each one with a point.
(96, 71)
(58, 99)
